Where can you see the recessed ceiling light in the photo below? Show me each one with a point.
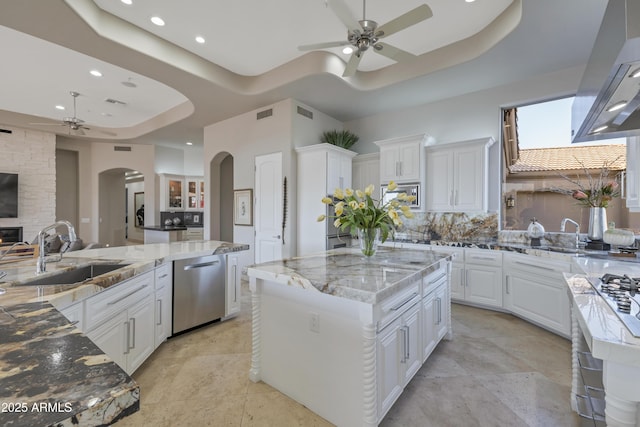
(347, 50)
(617, 106)
(95, 73)
(469, 1)
(60, 107)
(127, 2)
(635, 74)
(200, 39)
(157, 20)
(189, 143)
(599, 129)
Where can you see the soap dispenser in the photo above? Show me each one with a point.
(535, 231)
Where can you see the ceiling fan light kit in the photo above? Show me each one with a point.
(367, 34)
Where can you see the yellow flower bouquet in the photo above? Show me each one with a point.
(367, 217)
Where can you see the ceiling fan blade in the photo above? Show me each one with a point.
(343, 13)
(48, 124)
(322, 45)
(410, 18)
(393, 52)
(352, 66)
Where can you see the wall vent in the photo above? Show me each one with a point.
(265, 113)
(5, 131)
(115, 101)
(121, 148)
(304, 112)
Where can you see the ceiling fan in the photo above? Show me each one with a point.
(366, 33)
(73, 123)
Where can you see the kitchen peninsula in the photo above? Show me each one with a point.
(51, 372)
(343, 334)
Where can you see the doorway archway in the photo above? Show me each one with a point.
(220, 210)
(116, 207)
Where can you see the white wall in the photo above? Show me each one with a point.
(30, 154)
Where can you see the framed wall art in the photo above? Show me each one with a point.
(243, 207)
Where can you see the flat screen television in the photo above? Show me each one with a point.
(8, 195)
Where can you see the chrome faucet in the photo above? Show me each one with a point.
(41, 264)
(6, 252)
(563, 226)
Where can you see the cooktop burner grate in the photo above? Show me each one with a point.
(620, 294)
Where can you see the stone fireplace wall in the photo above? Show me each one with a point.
(30, 154)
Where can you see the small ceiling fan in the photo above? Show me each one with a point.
(366, 33)
(73, 123)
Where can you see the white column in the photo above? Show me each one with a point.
(256, 351)
(370, 386)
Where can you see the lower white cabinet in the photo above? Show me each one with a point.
(534, 289)
(121, 321)
(232, 303)
(399, 356)
(163, 302)
(75, 314)
(193, 233)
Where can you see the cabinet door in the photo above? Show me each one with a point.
(389, 164)
(540, 299)
(457, 281)
(483, 285)
(192, 194)
(75, 314)
(141, 337)
(439, 181)
(468, 187)
(441, 313)
(112, 338)
(174, 191)
(409, 162)
(365, 172)
(429, 318)
(162, 315)
(411, 343)
(233, 286)
(388, 365)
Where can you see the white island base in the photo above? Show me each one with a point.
(346, 360)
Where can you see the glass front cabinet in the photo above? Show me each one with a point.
(195, 193)
(181, 193)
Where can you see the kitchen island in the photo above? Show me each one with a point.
(50, 372)
(343, 334)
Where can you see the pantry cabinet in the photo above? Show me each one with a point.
(402, 159)
(457, 176)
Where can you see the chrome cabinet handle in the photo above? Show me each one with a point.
(127, 295)
(133, 327)
(163, 276)
(235, 285)
(484, 258)
(397, 307)
(127, 332)
(404, 345)
(159, 322)
(408, 348)
(437, 279)
(276, 237)
(534, 265)
(507, 286)
(201, 265)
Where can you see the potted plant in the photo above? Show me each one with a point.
(340, 138)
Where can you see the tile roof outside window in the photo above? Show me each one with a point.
(571, 158)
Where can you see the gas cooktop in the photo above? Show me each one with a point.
(621, 294)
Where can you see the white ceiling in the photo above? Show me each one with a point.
(250, 58)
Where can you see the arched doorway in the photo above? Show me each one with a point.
(117, 191)
(220, 211)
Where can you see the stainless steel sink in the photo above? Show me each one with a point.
(74, 276)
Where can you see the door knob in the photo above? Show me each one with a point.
(276, 237)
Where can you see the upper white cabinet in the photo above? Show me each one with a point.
(457, 176)
(178, 192)
(321, 169)
(632, 175)
(366, 170)
(402, 159)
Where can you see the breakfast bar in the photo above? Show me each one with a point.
(342, 333)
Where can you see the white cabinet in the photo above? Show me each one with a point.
(402, 159)
(163, 300)
(435, 311)
(75, 314)
(366, 170)
(399, 355)
(631, 184)
(457, 269)
(534, 289)
(232, 304)
(457, 176)
(193, 233)
(476, 276)
(120, 321)
(194, 187)
(321, 168)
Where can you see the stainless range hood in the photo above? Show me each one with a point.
(612, 78)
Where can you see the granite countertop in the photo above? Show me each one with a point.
(50, 373)
(606, 335)
(348, 274)
(164, 227)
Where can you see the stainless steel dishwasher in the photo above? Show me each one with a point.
(198, 291)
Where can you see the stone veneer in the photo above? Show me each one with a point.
(450, 226)
(32, 155)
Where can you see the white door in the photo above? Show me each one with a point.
(269, 207)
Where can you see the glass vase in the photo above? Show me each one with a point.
(368, 238)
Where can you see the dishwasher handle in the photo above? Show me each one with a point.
(201, 265)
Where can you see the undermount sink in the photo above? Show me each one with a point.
(74, 276)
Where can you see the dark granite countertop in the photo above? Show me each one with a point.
(51, 373)
(164, 227)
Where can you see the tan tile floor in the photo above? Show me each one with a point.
(497, 371)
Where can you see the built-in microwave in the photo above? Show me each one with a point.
(410, 189)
